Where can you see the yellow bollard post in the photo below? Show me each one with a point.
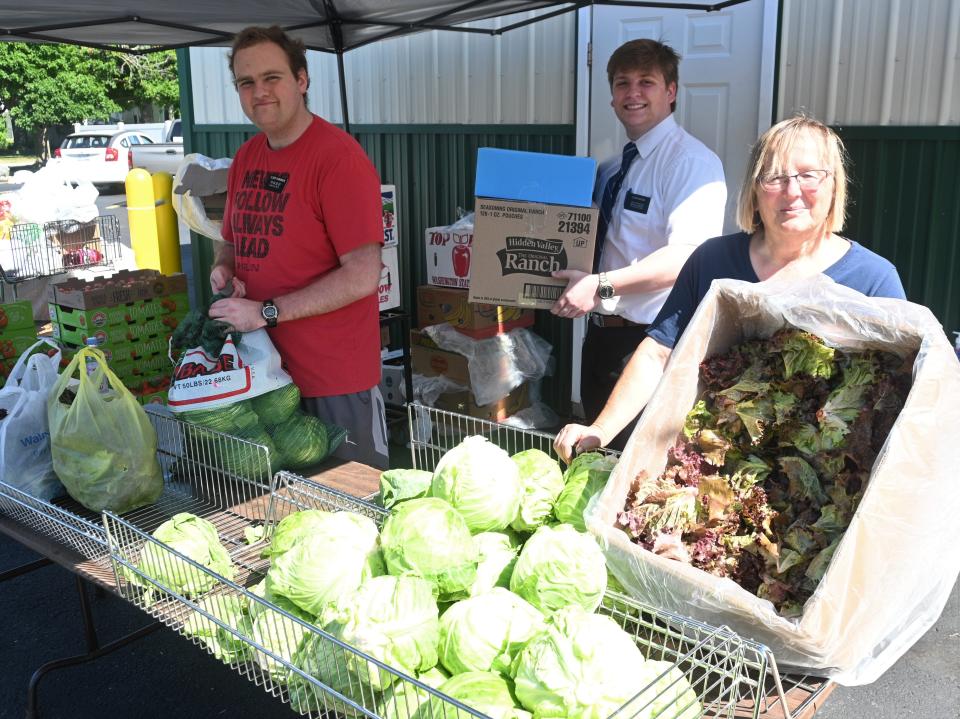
(168, 234)
(142, 213)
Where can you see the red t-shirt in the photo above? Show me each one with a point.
(290, 214)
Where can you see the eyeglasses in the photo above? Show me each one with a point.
(809, 180)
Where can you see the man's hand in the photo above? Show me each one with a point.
(580, 297)
(576, 438)
(243, 315)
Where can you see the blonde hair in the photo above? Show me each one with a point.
(769, 156)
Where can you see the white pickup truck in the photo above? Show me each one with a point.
(160, 156)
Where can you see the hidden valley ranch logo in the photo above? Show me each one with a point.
(532, 256)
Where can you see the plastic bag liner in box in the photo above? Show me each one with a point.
(895, 567)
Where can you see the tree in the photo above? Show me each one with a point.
(150, 78)
(48, 84)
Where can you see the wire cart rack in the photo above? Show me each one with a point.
(33, 251)
(195, 481)
(278, 648)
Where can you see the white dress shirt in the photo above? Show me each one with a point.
(673, 194)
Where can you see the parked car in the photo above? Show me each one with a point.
(163, 156)
(103, 158)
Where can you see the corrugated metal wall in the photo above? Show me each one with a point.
(525, 76)
(871, 62)
(906, 206)
(433, 168)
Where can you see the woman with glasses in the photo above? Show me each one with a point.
(791, 206)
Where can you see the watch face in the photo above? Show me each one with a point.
(269, 312)
(606, 292)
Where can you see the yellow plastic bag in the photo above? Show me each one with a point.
(104, 447)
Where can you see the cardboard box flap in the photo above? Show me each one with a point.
(535, 177)
(890, 576)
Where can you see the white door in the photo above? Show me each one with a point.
(725, 96)
(726, 77)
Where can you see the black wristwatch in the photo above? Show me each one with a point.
(605, 289)
(270, 313)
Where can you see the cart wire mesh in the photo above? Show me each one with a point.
(207, 473)
(34, 250)
(277, 647)
(764, 690)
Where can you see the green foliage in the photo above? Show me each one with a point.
(50, 84)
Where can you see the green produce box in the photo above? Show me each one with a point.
(176, 304)
(115, 335)
(13, 345)
(15, 316)
(157, 365)
(158, 397)
(138, 350)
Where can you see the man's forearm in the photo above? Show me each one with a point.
(656, 271)
(634, 388)
(224, 256)
(345, 285)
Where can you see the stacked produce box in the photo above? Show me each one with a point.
(132, 315)
(437, 305)
(17, 333)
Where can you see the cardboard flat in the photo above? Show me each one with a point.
(517, 245)
(123, 287)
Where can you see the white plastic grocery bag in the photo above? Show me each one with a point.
(896, 565)
(25, 459)
(237, 373)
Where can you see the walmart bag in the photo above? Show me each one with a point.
(25, 461)
(104, 447)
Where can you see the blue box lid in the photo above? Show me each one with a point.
(535, 177)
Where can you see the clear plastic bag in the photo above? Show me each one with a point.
(103, 445)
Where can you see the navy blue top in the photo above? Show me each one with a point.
(728, 257)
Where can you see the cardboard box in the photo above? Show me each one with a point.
(464, 403)
(392, 383)
(535, 177)
(389, 289)
(15, 316)
(123, 287)
(391, 220)
(517, 245)
(177, 304)
(478, 320)
(213, 205)
(137, 352)
(13, 345)
(449, 253)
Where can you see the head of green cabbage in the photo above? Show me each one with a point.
(486, 632)
(428, 538)
(481, 482)
(541, 482)
(559, 566)
(586, 475)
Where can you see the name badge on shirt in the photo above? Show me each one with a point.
(636, 203)
(275, 182)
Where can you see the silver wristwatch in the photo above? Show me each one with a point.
(605, 289)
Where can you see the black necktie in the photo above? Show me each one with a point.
(610, 193)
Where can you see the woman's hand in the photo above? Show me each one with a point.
(576, 438)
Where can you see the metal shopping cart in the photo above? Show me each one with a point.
(30, 251)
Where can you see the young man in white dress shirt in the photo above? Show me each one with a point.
(658, 200)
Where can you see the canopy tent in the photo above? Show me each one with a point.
(335, 26)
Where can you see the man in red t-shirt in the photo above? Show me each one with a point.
(303, 231)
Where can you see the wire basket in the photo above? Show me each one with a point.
(59, 246)
(764, 691)
(195, 480)
(316, 673)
